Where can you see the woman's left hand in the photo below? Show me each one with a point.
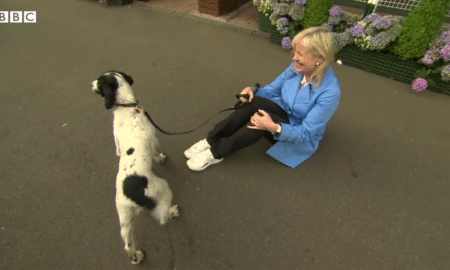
(263, 121)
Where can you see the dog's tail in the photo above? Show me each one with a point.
(134, 187)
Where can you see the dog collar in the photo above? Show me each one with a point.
(138, 107)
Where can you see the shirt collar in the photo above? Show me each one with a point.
(303, 82)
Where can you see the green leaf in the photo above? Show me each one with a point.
(437, 70)
(422, 73)
(431, 83)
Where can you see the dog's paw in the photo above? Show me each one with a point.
(174, 211)
(138, 257)
(161, 158)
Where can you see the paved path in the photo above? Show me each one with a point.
(375, 196)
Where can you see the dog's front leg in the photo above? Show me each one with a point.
(116, 142)
(158, 156)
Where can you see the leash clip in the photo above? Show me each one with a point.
(138, 107)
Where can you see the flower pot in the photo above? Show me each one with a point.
(217, 7)
(386, 65)
(275, 36)
(264, 23)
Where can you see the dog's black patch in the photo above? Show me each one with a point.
(133, 188)
(108, 85)
(125, 76)
(130, 151)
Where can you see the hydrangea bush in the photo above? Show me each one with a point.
(381, 33)
(373, 33)
(436, 59)
(287, 14)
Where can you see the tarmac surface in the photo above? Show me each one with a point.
(374, 196)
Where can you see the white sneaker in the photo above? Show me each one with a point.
(197, 148)
(202, 161)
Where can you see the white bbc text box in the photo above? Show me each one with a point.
(4, 16)
(15, 17)
(29, 16)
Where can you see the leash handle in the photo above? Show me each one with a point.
(246, 96)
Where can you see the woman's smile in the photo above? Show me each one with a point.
(299, 66)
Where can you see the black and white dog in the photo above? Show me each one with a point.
(137, 187)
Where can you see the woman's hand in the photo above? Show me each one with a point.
(247, 91)
(262, 120)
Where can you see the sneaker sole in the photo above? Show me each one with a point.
(206, 166)
(189, 156)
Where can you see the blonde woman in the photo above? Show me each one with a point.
(292, 112)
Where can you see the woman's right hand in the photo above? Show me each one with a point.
(247, 91)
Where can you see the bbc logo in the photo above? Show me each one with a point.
(17, 16)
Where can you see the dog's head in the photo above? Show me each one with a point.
(114, 86)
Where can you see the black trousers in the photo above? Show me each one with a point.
(232, 134)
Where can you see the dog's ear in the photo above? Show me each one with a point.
(110, 97)
(127, 78)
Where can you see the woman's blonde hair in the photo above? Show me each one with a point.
(318, 40)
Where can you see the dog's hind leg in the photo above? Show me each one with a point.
(164, 212)
(126, 218)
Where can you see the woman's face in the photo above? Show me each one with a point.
(306, 63)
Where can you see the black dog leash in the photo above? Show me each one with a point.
(236, 106)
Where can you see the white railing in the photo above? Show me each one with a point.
(407, 5)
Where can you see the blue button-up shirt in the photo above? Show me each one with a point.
(309, 111)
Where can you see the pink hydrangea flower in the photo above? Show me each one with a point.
(419, 84)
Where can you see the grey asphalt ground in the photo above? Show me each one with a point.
(374, 196)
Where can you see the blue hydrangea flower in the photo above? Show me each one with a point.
(300, 2)
(282, 22)
(342, 39)
(357, 30)
(273, 16)
(371, 18)
(378, 42)
(286, 43)
(382, 23)
(336, 11)
(333, 20)
(296, 12)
